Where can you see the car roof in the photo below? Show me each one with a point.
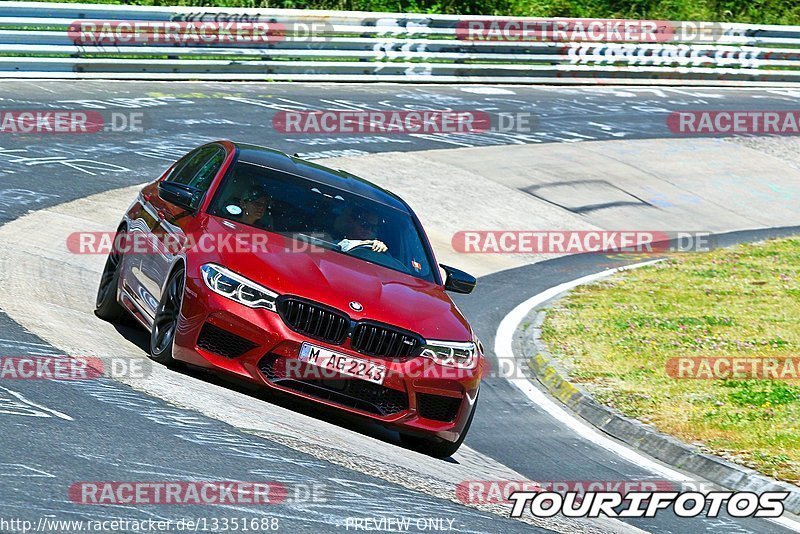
(337, 178)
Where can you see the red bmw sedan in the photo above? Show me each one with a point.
(303, 279)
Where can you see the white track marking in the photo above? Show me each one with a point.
(15, 342)
(22, 399)
(23, 471)
(503, 348)
(488, 90)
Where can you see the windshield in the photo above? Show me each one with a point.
(324, 216)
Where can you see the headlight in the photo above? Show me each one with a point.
(451, 354)
(235, 287)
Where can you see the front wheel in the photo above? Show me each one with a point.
(437, 447)
(106, 305)
(165, 324)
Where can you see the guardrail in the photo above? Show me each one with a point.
(45, 40)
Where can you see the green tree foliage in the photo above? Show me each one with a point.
(748, 11)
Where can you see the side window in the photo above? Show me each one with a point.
(179, 165)
(199, 169)
(202, 180)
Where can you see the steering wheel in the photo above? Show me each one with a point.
(365, 252)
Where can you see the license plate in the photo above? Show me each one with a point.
(342, 364)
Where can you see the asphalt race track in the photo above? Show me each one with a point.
(57, 433)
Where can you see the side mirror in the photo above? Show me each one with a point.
(183, 196)
(458, 281)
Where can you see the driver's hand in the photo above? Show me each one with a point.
(379, 246)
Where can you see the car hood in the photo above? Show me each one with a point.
(336, 279)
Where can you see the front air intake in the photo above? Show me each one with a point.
(437, 407)
(220, 341)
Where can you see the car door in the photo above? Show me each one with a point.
(144, 221)
(173, 223)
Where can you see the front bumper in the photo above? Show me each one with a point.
(417, 397)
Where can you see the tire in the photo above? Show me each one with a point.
(165, 324)
(107, 307)
(438, 447)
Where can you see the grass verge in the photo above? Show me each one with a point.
(616, 337)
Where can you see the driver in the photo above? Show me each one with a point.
(256, 209)
(359, 227)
